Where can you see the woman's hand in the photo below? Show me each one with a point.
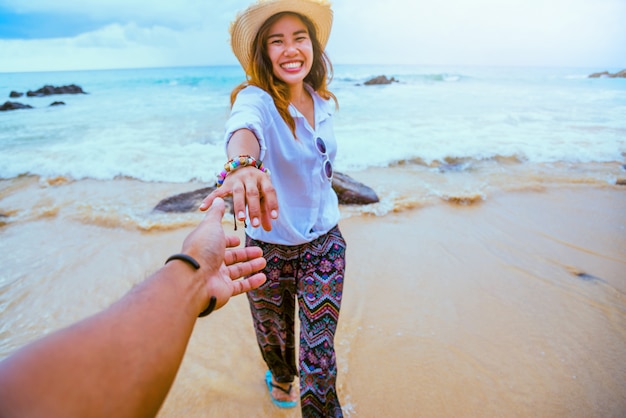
(249, 187)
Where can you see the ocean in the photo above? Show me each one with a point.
(492, 128)
(488, 280)
(166, 125)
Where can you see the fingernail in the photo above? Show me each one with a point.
(274, 214)
(241, 216)
(256, 222)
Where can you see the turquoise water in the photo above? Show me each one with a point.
(166, 124)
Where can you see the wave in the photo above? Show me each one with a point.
(413, 184)
(181, 166)
(166, 125)
(409, 184)
(458, 164)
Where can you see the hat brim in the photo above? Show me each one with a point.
(244, 28)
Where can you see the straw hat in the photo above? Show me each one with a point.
(248, 22)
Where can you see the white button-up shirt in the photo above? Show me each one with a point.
(308, 206)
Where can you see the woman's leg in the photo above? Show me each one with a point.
(273, 310)
(320, 289)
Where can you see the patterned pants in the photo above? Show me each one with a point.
(313, 275)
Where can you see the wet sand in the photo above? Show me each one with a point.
(514, 306)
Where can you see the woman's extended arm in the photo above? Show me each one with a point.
(248, 186)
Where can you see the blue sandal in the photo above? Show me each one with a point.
(270, 386)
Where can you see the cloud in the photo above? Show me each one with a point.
(130, 33)
(516, 32)
(117, 46)
(175, 14)
(94, 34)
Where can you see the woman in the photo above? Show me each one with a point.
(281, 123)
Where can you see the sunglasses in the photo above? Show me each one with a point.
(327, 165)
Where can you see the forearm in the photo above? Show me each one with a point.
(243, 142)
(119, 363)
(251, 189)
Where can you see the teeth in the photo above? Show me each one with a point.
(291, 65)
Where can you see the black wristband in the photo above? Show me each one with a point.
(186, 258)
(209, 308)
(193, 263)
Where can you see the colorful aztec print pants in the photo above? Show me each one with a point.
(313, 275)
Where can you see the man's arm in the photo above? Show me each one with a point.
(122, 361)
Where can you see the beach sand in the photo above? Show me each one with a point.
(513, 305)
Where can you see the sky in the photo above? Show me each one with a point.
(56, 35)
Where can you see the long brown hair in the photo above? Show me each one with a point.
(260, 73)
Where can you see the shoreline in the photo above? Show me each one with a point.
(128, 203)
(512, 306)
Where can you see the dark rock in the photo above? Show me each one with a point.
(15, 94)
(185, 202)
(57, 104)
(14, 106)
(51, 90)
(381, 79)
(620, 182)
(349, 192)
(619, 74)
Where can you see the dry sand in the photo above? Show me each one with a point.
(513, 308)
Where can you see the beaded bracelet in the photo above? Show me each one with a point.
(238, 162)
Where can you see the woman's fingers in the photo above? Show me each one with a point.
(208, 201)
(239, 201)
(269, 204)
(253, 198)
(251, 189)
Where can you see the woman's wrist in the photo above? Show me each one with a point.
(237, 163)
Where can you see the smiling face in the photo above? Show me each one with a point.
(290, 50)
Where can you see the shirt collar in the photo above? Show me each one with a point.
(322, 107)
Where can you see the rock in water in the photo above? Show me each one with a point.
(14, 106)
(51, 90)
(619, 74)
(381, 79)
(184, 202)
(349, 192)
